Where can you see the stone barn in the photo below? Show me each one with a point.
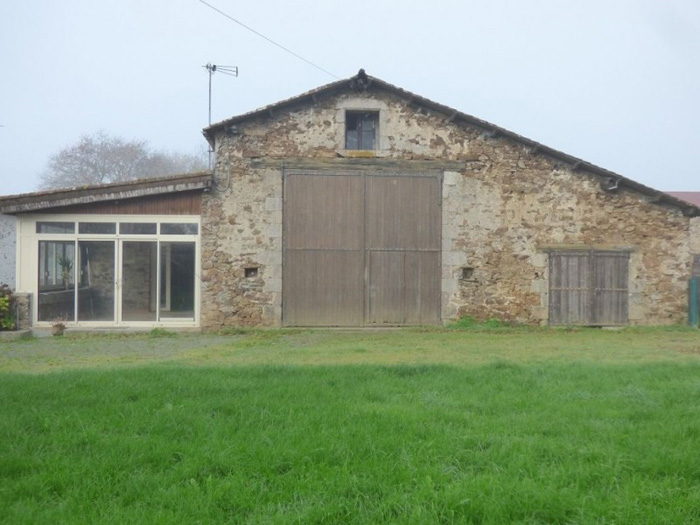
(361, 204)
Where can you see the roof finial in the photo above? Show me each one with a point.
(361, 81)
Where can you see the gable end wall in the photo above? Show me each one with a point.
(503, 210)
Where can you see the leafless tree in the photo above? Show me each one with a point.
(98, 158)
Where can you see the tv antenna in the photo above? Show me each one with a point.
(224, 70)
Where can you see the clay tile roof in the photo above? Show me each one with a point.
(693, 197)
(26, 202)
(363, 81)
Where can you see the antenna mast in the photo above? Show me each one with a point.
(211, 69)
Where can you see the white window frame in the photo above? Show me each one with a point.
(28, 261)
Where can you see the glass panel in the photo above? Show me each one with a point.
(178, 228)
(96, 289)
(351, 131)
(367, 140)
(97, 227)
(177, 262)
(351, 139)
(56, 301)
(55, 227)
(369, 121)
(139, 281)
(137, 228)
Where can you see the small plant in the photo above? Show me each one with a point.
(7, 321)
(161, 332)
(58, 325)
(66, 265)
(490, 324)
(465, 322)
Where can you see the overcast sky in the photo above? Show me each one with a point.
(614, 82)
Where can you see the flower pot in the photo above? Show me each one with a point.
(57, 329)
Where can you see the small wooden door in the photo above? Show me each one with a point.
(588, 288)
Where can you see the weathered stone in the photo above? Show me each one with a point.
(501, 214)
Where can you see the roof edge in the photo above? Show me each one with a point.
(362, 80)
(27, 202)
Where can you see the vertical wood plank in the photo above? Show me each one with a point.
(361, 249)
(589, 288)
(323, 259)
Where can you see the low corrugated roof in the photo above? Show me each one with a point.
(364, 81)
(27, 202)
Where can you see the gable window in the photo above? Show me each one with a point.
(361, 130)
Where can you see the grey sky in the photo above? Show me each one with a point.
(614, 82)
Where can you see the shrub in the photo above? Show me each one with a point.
(7, 318)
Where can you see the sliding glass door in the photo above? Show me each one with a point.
(138, 290)
(96, 286)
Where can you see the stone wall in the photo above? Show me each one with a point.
(7, 250)
(242, 230)
(23, 306)
(504, 208)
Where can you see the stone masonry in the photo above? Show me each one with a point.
(505, 206)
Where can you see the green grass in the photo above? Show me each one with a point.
(441, 426)
(461, 346)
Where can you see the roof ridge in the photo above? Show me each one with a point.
(364, 81)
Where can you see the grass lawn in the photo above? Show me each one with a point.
(287, 426)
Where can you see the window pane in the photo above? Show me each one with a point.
(361, 130)
(368, 122)
(178, 228)
(177, 263)
(96, 289)
(97, 227)
(351, 140)
(55, 227)
(367, 140)
(139, 281)
(56, 299)
(352, 120)
(137, 228)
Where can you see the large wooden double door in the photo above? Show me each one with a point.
(361, 249)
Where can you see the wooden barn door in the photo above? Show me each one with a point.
(323, 263)
(588, 288)
(403, 250)
(361, 249)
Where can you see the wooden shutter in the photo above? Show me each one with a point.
(588, 287)
(610, 280)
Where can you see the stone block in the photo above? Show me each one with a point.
(273, 204)
(451, 178)
(448, 272)
(273, 285)
(454, 258)
(540, 286)
(449, 285)
(539, 260)
(274, 231)
(449, 312)
(540, 312)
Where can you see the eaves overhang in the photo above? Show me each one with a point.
(45, 200)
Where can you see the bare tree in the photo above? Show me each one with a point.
(99, 158)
